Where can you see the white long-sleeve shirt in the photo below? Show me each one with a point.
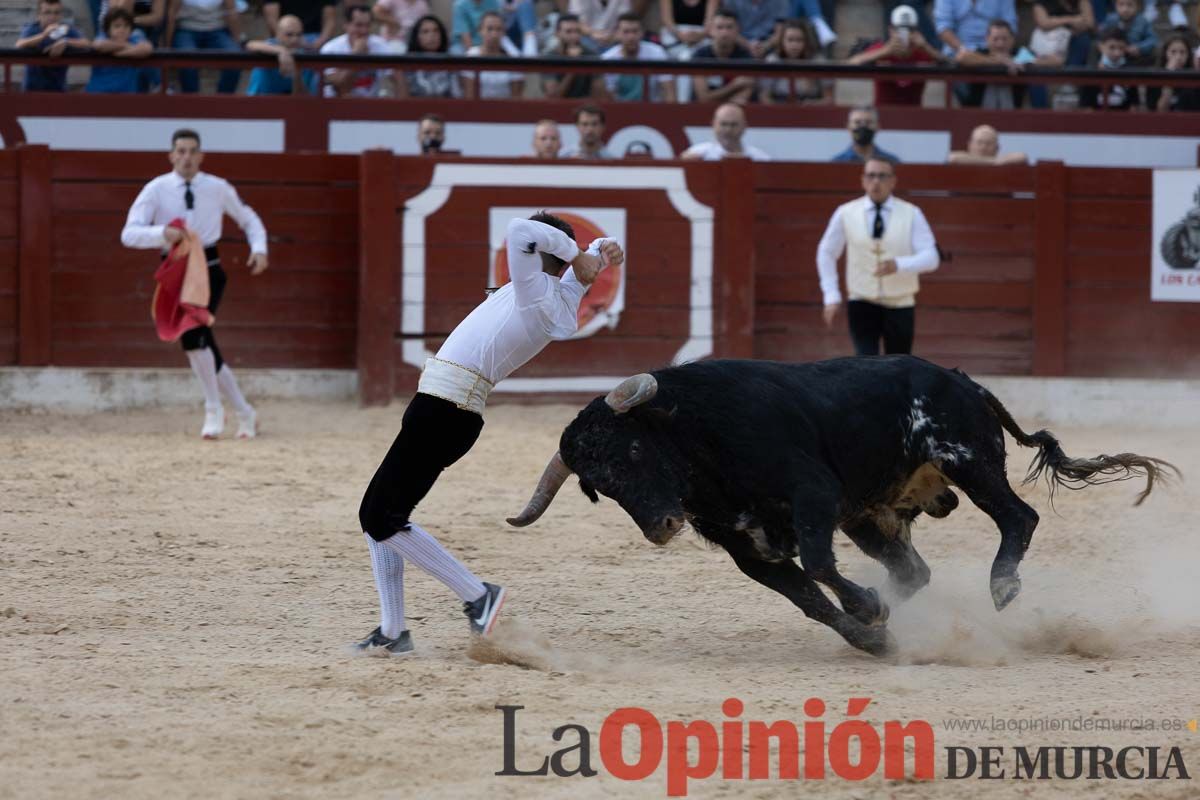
(162, 200)
(924, 257)
(520, 318)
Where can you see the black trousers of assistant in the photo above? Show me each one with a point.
(433, 435)
(870, 322)
(200, 338)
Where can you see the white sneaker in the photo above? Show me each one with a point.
(214, 422)
(247, 424)
(825, 34)
(1177, 17)
(1151, 12)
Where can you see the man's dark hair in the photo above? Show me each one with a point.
(432, 117)
(590, 109)
(350, 11)
(565, 18)
(184, 133)
(114, 14)
(1113, 32)
(728, 13)
(552, 263)
(1001, 23)
(48, 3)
(629, 16)
(487, 14)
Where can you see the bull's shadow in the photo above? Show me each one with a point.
(767, 460)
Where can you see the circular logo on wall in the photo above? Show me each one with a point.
(1180, 245)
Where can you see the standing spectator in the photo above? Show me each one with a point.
(811, 11)
(568, 35)
(201, 201)
(757, 21)
(546, 140)
(1176, 57)
(589, 122)
(683, 25)
(318, 19)
(729, 123)
(599, 19)
(632, 47)
(797, 42)
(723, 47)
(396, 19)
(428, 36)
(1140, 39)
(904, 46)
(204, 25)
(923, 21)
(1062, 32)
(863, 124)
(120, 39)
(1113, 56)
(887, 242)
(357, 40)
(53, 37)
(963, 24)
(1000, 50)
(288, 40)
(491, 84)
(984, 148)
(431, 134)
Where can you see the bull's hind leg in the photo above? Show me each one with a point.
(907, 571)
(792, 582)
(987, 487)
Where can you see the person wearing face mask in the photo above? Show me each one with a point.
(1113, 56)
(431, 134)
(863, 124)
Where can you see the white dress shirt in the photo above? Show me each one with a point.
(924, 256)
(162, 200)
(714, 151)
(520, 318)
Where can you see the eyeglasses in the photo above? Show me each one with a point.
(878, 176)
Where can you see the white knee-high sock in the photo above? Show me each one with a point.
(388, 567)
(204, 364)
(419, 547)
(229, 387)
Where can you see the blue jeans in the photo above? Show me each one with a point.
(523, 21)
(189, 79)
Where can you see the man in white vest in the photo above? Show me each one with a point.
(887, 243)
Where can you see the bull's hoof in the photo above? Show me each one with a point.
(876, 640)
(868, 608)
(1004, 589)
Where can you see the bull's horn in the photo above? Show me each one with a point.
(631, 392)
(551, 481)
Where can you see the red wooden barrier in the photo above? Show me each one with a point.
(10, 203)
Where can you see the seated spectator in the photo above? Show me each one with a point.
(491, 84)
(756, 23)
(428, 36)
(288, 40)
(518, 20)
(863, 124)
(963, 25)
(598, 18)
(723, 47)
(589, 122)
(1176, 57)
(1062, 32)
(431, 134)
(632, 47)
(204, 25)
(357, 40)
(1000, 50)
(148, 15)
(984, 148)
(1140, 39)
(120, 39)
(465, 20)
(904, 46)
(729, 123)
(318, 19)
(797, 42)
(51, 36)
(568, 43)
(1113, 56)
(546, 139)
(811, 11)
(397, 18)
(683, 25)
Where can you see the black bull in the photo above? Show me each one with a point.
(767, 459)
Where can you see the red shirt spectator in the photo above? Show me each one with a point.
(904, 47)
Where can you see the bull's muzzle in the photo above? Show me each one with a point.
(665, 529)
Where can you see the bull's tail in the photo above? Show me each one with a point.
(1077, 473)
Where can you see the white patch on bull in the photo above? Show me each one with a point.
(947, 451)
(746, 523)
(917, 418)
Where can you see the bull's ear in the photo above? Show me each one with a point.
(587, 489)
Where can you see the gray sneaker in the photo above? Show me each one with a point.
(482, 613)
(400, 646)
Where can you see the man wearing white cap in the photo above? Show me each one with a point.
(904, 46)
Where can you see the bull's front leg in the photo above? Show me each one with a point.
(907, 571)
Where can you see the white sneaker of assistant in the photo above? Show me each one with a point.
(1177, 16)
(247, 424)
(214, 422)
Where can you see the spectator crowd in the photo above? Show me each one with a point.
(1107, 36)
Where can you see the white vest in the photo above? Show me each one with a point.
(897, 290)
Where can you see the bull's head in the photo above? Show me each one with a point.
(620, 447)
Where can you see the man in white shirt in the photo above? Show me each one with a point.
(632, 47)
(357, 40)
(444, 418)
(201, 200)
(729, 124)
(888, 243)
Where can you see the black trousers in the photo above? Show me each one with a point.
(433, 435)
(200, 338)
(870, 322)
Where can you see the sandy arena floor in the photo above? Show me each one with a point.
(174, 616)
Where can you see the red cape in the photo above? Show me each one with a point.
(181, 298)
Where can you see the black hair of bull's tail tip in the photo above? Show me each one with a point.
(1078, 473)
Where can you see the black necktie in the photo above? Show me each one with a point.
(876, 229)
(190, 199)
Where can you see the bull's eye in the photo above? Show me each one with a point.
(635, 451)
